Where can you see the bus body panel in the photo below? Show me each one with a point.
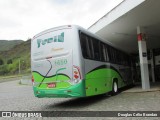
(53, 64)
(100, 73)
(59, 68)
(100, 76)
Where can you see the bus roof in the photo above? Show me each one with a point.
(54, 29)
(78, 28)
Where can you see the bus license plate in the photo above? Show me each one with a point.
(51, 85)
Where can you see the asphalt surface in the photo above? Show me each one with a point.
(16, 97)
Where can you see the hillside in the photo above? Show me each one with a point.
(12, 57)
(7, 45)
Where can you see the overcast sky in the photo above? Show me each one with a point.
(22, 19)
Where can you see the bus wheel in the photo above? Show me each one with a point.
(114, 88)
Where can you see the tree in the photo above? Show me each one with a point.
(1, 61)
(9, 61)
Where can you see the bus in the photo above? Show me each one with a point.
(69, 61)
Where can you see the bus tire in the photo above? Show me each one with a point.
(114, 87)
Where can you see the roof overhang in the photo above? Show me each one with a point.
(119, 26)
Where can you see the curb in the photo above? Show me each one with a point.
(141, 91)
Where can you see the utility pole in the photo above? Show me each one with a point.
(19, 66)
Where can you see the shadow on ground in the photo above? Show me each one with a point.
(74, 103)
(79, 102)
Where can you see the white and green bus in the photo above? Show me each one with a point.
(69, 61)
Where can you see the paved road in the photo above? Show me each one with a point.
(16, 97)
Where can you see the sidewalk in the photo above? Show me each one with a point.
(6, 79)
(138, 88)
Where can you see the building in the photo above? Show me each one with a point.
(134, 26)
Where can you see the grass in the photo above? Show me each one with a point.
(19, 54)
(13, 76)
(7, 45)
(10, 76)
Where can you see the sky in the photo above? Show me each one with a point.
(22, 19)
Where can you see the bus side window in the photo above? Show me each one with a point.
(110, 53)
(103, 51)
(89, 47)
(107, 56)
(85, 46)
(96, 49)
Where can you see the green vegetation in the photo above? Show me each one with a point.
(7, 45)
(1, 61)
(15, 58)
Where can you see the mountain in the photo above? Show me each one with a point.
(7, 45)
(17, 54)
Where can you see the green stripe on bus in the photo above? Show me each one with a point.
(99, 81)
(59, 77)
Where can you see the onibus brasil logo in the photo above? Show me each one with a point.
(58, 38)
